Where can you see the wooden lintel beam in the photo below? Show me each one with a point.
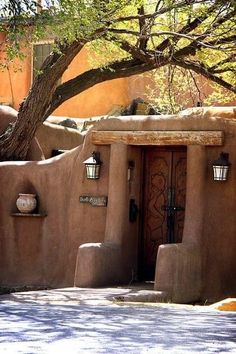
(161, 137)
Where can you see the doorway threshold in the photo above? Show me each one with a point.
(142, 292)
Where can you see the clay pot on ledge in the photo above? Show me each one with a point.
(26, 203)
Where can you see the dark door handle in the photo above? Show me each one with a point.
(133, 210)
(173, 208)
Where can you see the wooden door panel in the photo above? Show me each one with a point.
(156, 183)
(165, 172)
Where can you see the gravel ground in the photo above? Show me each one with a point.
(86, 321)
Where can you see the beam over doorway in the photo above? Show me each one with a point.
(161, 137)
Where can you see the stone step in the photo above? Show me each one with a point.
(143, 296)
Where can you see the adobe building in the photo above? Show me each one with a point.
(155, 212)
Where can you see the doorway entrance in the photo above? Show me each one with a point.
(163, 203)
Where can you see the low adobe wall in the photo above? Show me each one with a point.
(43, 251)
(8, 115)
(56, 137)
(48, 136)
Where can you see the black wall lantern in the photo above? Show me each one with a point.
(93, 165)
(221, 167)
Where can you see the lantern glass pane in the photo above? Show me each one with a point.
(220, 172)
(93, 171)
(97, 171)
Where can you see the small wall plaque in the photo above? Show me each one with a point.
(93, 200)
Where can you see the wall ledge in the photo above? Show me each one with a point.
(41, 215)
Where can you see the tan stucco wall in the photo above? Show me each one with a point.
(44, 251)
(16, 79)
(9, 115)
(48, 136)
(98, 100)
(56, 137)
(147, 86)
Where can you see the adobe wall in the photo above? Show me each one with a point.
(56, 137)
(16, 79)
(43, 251)
(48, 136)
(9, 115)
(146, 85)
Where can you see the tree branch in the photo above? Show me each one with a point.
(196, 23)
(216, 67)
(133, 50)
(142, 41)
(201, 69)
(161, 11)
(218, 41)
(92, 77)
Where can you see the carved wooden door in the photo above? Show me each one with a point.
(164, 202)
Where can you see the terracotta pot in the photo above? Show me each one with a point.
(26, 203)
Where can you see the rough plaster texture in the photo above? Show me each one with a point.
(48, 136)
(44, 251)
(8, 115)
(56, 137)
(106, 261)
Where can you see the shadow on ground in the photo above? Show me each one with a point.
(53, 328)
